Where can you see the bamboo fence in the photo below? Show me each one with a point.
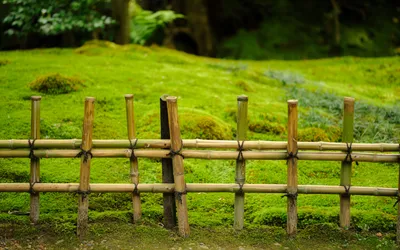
(172, 150)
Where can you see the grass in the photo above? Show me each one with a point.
(207, 90)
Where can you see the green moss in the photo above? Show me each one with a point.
(317, 134)
(56, 84)
(201, 126)
(245, 86)
(264, 126)
(4, 62)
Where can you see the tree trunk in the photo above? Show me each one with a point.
(120, 10)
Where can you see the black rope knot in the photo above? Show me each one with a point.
(135, 190)
(173, 153)
(240, 149)
(240, 191)
(133, 147)
(347, 189)
(178, 195)
(31, 185)
(291, 156)
(348, 157)
(293, 196)
(85, 154)
(83, 194)
(32, 155)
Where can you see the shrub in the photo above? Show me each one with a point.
(56, 84)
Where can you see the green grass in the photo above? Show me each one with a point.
(207, 91)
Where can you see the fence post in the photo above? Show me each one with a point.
(292, 169)
(177, 161)
(240, 162)
(398, 206)
(35, 162)
(134, 172)
(345, 173)
(86, 157)
(167, 170)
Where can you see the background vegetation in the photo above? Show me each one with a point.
(249, 29)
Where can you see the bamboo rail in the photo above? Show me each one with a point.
(203, 154)
(199, 143)
(198, 187)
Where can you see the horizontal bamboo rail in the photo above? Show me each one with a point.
(196, 187)
(203, 154)
(199, 143)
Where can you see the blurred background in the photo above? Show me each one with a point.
(237, 29)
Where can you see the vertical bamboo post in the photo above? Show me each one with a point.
(86, 146)
(35, 163)
(345, 173)
(167, 170)
(398, 207)
(134, 171)
(177, 161)
(240, 162)
(292, 169)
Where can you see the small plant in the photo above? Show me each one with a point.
(4, 62)
(286, 77)
(147, 22)
(56, 84)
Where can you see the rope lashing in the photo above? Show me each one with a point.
(85, 154)
(348, 157)
(240, 149)
(173, 153)
(32, 155)
(133, 147)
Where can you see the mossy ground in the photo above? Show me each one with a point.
(206, 88)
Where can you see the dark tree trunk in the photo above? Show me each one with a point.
(120, 10)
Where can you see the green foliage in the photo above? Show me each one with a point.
(145, 23)
(54, 17)
(56, 84)
(4, 62)
(265, 127)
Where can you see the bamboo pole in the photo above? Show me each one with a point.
(198, 187)
(240, 162)
(177, 161)
(134, 170)
(202, 154)
(83, 206)
(167, 169)
(35, 162)
(345, 173)
(292, 169)
(199, 143)
(398, 207)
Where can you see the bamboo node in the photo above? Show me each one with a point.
(32, 155)
(85, 154)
